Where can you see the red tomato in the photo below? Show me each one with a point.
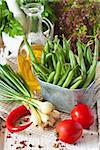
(83, 114)
(69, 131)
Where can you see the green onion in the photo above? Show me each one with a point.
(14, 88)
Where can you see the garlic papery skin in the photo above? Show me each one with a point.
(55, 114)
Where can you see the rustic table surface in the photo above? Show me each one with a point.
(36, 139)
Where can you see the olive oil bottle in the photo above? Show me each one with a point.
(36, 38)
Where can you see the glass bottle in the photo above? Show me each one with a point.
(36, 38)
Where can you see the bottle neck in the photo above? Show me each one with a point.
(33, 12)
(35, 24)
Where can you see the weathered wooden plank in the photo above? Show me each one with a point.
(97, 97)
(47, 139)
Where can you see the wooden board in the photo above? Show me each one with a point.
(47, 139)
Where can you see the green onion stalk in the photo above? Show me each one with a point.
(14, 88)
